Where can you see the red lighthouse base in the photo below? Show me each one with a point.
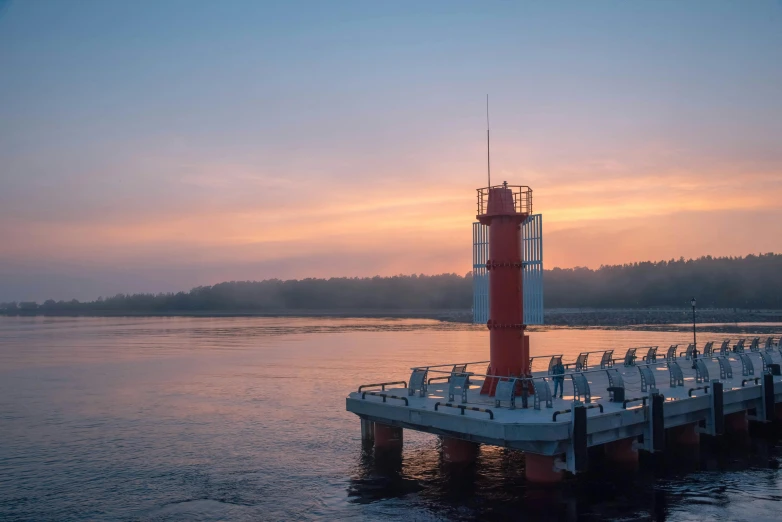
(516, 366)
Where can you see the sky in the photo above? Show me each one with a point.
(159, 145)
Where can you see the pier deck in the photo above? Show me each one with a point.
(536, 431)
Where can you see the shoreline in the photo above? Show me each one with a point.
(594, 317)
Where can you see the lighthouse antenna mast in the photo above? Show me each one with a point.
(488, 142)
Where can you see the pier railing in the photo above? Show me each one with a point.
(432, 367)
(578, 376)
(449, 364)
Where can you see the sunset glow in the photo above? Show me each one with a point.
(140, 162)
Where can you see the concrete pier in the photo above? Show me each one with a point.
(665, 403)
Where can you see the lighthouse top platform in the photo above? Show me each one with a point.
(503, 200)
(446, 399)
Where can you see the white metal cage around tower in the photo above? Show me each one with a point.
(532, 270)
(480, 276)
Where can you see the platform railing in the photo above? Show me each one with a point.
(586, 358)
(432, 368)
(636, 399)
(530, 379)
(456, 369)
(580, 383)
(692, 390)
(534, 357)
(568, 373)
(382, 385)
(449, 364)
(527, 391)
(616, 359)
(462, 407)
(384, 396)
(547, 356)
(664, 362)
(550, 358)
(740, 342)
(636, 355)
(498, 377)
(522, 198)
(570, 410)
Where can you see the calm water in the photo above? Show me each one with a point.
(244, 419)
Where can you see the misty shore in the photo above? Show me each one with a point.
(584, 317)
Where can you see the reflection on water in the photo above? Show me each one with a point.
(243, 419)
(704, 484)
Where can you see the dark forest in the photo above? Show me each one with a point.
(751, 282)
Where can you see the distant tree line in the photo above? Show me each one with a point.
(752, 282)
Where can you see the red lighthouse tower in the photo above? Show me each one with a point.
(503, 208)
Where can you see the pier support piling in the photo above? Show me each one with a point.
(459, 451)
(656, 424)
(769, 411)
(387, 437)
(542, 469)
(685, 435)
(717, 408)
(737, 422)
(367, 430)
(622, 452)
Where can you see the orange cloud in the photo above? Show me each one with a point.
(596, 213)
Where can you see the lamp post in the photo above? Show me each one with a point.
(694, 339)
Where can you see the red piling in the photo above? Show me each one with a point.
(686, 435)
(388, 437)
(540, 469)
(459, 451)
(622, 452)
(737, 422)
